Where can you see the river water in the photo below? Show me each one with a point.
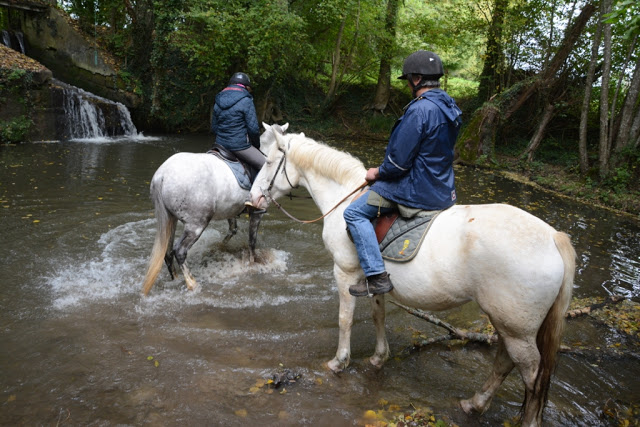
(80, 346)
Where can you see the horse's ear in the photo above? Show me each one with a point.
(302, 134)
(266, 126)
(280, 141)
(285, 127)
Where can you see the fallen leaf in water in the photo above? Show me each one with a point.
(242, 413)
(283, 415)
(156, 363)
(11, 398)
(149, 357)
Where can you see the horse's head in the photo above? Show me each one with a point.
(268, 137)
(276, 177)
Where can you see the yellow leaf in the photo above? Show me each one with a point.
(254, 389)
(284, 391)
(370, 415)
(149, 357)
(242, 413)
(35, 221)
(11, 398)
(156, 363)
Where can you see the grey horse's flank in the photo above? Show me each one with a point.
(195, 188)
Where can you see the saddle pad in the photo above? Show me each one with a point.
(402, 241)
(238, 170)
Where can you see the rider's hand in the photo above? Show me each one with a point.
(372, 175)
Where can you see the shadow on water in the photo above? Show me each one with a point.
(81, 346)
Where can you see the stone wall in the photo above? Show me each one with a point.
(52, 40)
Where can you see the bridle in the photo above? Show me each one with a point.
(267, 194)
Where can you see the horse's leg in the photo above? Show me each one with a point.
(254, 223)
(528, 363)
(382, 346)
(526, 357)
(501, 368)
(345, 320)
(190, 235)
(168, 257)
(233, 229)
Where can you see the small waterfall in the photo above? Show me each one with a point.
(89, 116)
(20, 38)
(6, 38)
(9, 39)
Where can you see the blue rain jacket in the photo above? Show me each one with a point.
(417, 170)
(234, 120)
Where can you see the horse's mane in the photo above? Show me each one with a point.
(325, 160)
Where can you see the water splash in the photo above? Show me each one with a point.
(117, 269)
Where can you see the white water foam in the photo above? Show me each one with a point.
(118, 270)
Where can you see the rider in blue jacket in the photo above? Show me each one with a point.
(417, 170)
(235, 123)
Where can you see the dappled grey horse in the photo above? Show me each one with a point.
(196, 188)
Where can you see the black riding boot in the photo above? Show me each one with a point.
(372, 285)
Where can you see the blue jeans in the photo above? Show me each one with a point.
(358, 216)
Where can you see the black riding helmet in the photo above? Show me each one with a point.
(240, 78)
(425, 64)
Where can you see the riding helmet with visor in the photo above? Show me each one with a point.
(240, 78)
(425, 64)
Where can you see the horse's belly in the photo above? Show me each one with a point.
(493, 254)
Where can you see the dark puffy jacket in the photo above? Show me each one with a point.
(234, 119)
(417, 170)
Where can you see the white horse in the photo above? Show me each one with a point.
(515, 266)
(196, 188)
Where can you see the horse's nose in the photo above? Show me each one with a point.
(259, 201)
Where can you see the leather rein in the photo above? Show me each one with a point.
(279, 206)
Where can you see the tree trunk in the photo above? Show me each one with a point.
(549, 110)
(383, 88)
(478, 139)
(490, 79)
(626, 115)
(635, 131)
(336, 60)
(586, 102)
(615, 117)
(605, 142)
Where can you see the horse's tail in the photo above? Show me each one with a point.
(165, 227)
(550, 333)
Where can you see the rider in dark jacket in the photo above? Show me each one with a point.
(417, 170)
(235, 123)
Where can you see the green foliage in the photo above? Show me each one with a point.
(460, 88)
(15, 130)
(627, 15)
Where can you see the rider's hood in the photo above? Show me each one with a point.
(446, 104)
(230, 96)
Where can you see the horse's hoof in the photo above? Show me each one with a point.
(377, 361)
(467, 406)
(336, 366)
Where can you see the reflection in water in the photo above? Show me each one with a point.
(80, 345)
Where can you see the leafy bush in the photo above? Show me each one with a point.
(15, 130)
